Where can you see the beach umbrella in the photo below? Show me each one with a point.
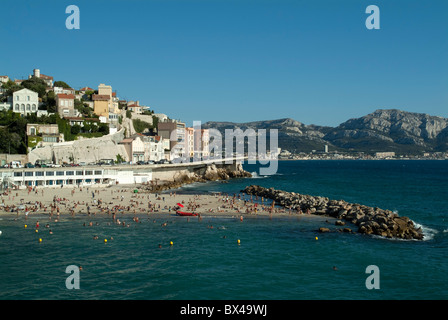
(180, 205)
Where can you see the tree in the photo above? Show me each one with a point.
(11, 87)
(62, 84)
(103, 128)
(76, 129)
(37, 85)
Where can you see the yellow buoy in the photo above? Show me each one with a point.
(171, 243)
(105, 240)
(26, 226)
(238, 241)
(40, 239)
(317, 238)
(37, 231)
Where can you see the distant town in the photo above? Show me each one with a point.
(338, 155)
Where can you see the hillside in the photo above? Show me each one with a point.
(382, 130)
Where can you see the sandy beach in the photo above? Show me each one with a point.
(119, 200)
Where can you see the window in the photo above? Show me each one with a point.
(49, 173)
(39, 173)
(17, 107)
(59, 173)
(28, 107)
(89, 172)
(97, 171)
(50, 139)
(17, 174)
(69, 173)
(32, 131)
(28, 98)
(28, 173)
(33, 107)
(22, 107)
(79, 173)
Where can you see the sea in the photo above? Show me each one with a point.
(166, 257)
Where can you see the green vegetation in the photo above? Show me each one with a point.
(85, 110)
(119, 159)
(37, 85)
(61, 84)
(12, 133)
(140, 125)
(13, 137)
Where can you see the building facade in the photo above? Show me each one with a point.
(65, 104)
(174, 132)
(25, 101)
(101, 105)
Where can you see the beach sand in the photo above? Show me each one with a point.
(123, 200)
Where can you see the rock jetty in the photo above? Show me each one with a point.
(210, 172)
(374, 221)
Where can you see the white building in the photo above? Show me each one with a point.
(72, 176)
(154, 150)
(4, 79)
(25, 101)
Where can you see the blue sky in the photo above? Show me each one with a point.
(239, 60)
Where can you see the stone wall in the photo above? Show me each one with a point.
(84, 150)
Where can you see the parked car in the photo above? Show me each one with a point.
(29, 165)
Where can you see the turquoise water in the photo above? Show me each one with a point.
(277, 258)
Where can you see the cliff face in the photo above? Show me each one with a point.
(382, 130)
(393, 127)
(86, 150)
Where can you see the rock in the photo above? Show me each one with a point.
(369, 220)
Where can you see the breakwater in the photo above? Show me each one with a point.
(369, 220)
(172, 178)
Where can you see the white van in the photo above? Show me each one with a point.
(15, 164)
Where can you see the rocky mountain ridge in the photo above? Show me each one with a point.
(383, 130)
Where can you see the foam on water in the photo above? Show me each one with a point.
(255, 175)
(428, 233)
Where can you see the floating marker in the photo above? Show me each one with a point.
(26, 226)
(105, 240)
(171, 243)
(317, 238)
(238, 241)
(40, 240)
